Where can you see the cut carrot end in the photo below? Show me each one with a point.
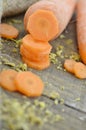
(43, 25)
(8, 31)
(7, 79)
(29, 84)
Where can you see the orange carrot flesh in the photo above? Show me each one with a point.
(69, 65)
(29, 84)
(57, 7)
(81, 28)
(46, 22)
(31, 56)
(37, 65)
(7, 79)
(80, 70)
(8, 31)
(35, 46)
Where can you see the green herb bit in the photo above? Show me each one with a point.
(41, 104)
(60, 47)
(53, 58)
(10, 64)
(77, 99)
(34, 119)
(54, 95)
(18, 42)
(75, 56)
(58, 118)
(56, 102)
(69, 41)
(48, 113)
(62, 88)
(59, 66)
(62, 101)
(36, 102)
(52, 55)
(7, 62)
(59, 51)
(16, 21)
(21, 66)
(62, 36)
(3, 40)
(14, 50)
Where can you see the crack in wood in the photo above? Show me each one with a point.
(67, 105)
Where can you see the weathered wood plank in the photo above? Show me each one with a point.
(73, 87)
(72, 120)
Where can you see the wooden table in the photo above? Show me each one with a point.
(72, 102)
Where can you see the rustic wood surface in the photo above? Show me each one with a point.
(71, 89)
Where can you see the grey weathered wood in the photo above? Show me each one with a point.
(73, 87)
(73, 120)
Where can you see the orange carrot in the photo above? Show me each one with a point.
(37, 65)
(31, 56)
(69, 65)
(35, 46)
(29, 84)
(44, 21)
(8, 31)
(7, 79)
(80, 70)
(35, 53)
(81, 28)
(47, 19)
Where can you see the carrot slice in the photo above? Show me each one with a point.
(45, 21)
(31, 56)
(69, 65)
(81, 28)
(36, 21)
(7, 79)
(37, 65)
(29, 84)
(8, 31)
(35, 46)
(80, 70)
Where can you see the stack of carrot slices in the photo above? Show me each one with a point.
(35, 53)
(26, 82)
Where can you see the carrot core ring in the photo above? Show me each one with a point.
(43, 25)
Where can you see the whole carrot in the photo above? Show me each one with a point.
(81, 28)
(46, 19)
